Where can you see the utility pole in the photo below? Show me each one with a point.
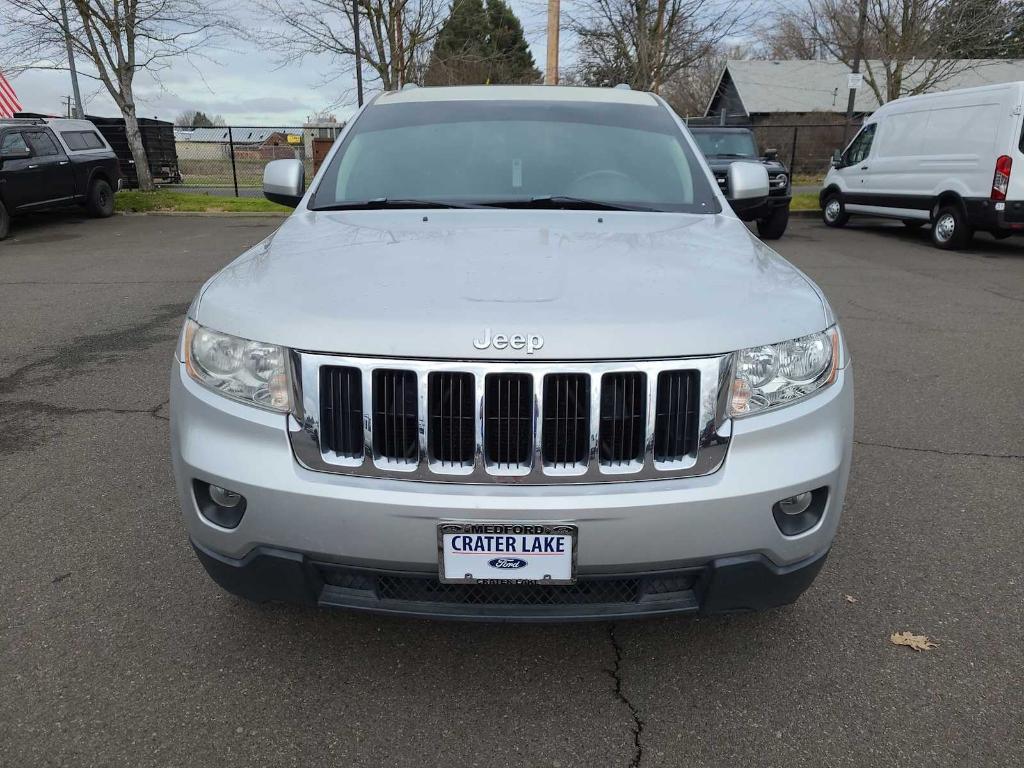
(79, 112)
(858, 54)
(551, 71)
(359, 52)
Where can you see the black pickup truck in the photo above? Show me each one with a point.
(46, 163)
(722, 145)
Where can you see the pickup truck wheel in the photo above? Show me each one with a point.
(950, 230)
(833, 213)
(100, 202)
(5, 222)
(773, 227)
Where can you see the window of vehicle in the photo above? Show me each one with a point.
(860, 147)
(13, 142)
(726, 144)
(512, 152)
(77, 140)
(42, 144)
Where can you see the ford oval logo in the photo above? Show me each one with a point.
(509, 563)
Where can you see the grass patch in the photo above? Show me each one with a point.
(805, 201)
(192, 202)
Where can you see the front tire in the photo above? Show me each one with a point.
(950, 230)
(774, 226)
(100, 201)
(5, 222)
(833, 212)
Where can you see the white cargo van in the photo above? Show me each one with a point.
(940, 158)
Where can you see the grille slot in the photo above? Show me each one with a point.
(565, 433)
(452, 433)
(675, 421)
(623, 412)
(341, 411)
(395, 415)
(508, 419)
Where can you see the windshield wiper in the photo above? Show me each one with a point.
(567, 201)
(379, 203)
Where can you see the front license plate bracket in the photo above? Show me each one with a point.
(490, 552)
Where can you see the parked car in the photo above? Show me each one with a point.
(943, 159)
(512, 357)
(723, 145)
(45, 163)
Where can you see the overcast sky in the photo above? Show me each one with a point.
(245, 85)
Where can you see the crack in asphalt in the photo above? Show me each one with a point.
(977, 454)
(36, 408)
(615, 673)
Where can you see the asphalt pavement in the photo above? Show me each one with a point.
(117, 650)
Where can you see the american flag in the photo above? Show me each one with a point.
(9, 103)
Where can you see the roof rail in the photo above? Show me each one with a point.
(24, 120)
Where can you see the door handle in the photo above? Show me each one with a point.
(33, 167)
(863, 167)
(63, 162)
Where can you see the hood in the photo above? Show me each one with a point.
(593, 285)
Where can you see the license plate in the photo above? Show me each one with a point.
(506, 553)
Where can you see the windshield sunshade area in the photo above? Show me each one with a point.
(516, 154)
(725, 144)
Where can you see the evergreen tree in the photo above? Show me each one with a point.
(513, 62)
(462, 51)
(479, 44)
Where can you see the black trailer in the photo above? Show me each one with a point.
(157, 139)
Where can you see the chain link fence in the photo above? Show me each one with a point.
(229, 160)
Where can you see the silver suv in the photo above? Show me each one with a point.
(512, 357)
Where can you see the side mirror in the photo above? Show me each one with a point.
(837, 158)
(771, 154)
(284, 182)
(747, 180)
(16, 153)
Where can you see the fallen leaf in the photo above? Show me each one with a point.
(917, 642)
(850, 598)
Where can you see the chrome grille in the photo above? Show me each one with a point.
(509, 422)
(565, 441)
(341, 411)
(395, 418)
(623, 412)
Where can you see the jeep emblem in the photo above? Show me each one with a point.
(530, 343)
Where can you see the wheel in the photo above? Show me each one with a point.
(950, 230)
(5, 222)
(773, 227)
(913, 223)
(100, 201)
(833, 212)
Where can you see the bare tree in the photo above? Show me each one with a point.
(647, 43)
(787, 37)
(910, 46)
(395, 35)
(117, 38)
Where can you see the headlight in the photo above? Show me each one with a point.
(249, 371)
(780, 180)
(779, 374)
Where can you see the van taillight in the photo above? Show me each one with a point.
(1001, 180)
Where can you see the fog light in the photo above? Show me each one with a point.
(794, 505)
(796, 514)
(219, 505)
(225, 498)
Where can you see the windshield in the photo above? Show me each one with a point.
(517, 153)
(725, 144)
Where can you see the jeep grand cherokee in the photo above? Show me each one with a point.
(512, 357)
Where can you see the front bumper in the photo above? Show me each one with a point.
(726, 585)
(688, 528)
